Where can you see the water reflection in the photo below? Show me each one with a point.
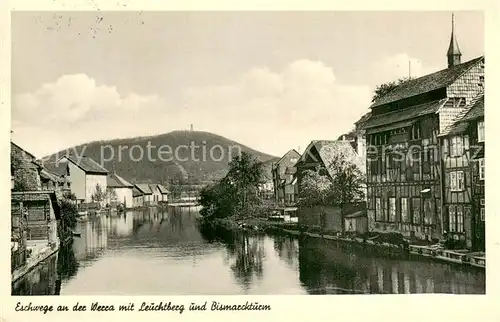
(326, 268)
(178, 255)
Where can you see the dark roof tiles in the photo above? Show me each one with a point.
(427, 83)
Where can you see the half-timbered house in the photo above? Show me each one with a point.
(403, 154)
(283, 172)
(462, 144)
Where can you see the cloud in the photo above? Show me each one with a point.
(279, 110)
(75, 109)
(272, 111)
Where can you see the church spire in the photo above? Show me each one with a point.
(454, 53)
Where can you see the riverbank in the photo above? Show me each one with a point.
(387, 244)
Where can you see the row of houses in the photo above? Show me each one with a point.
(37, 190)
(84, 177)
(421, 146)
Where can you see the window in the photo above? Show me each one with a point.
(415, 131)
(457, 148)
(481, 169)
(428, 160)
(457, 181)
(416, 210)
(378, 210)
(482, 214)
(428, 211)
(416, 163)
(482, 202)
(456, 217)
(392, 209)
(404, 210)
(480, 131)
(452, 217)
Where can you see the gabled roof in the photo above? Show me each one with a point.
(474, 110)
(408, 114)
(427, 83)
(153, 187)
(292, 151)
(87, 164)
(17, 146)
(49, 175)
(144, 188)
(329, 150)
(163, 190)
(136, 192)
(361, 122)
(115, 181)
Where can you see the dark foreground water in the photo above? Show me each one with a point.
(153, 253)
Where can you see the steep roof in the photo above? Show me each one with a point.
(17, 146)
(474, 110)
(163, 190)
(406, 114)
(329, 150)
(453, 48)
(144, 188)
(136, 192)
(115, 181)
(87, 164)
(361, 122)
(292, 151)
(49, 175)
(427, 83)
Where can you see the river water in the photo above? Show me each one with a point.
(156, 252)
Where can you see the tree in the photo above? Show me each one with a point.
(343, 184)
(246, 173)
(348, 183)
(69, 213)
(236, 192)
(385, 88)
(99, 194)
(314, 189)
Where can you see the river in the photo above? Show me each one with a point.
(158, 253)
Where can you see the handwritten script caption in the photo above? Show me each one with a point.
(141, 307)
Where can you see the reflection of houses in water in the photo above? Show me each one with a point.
(122, 225)
(94, 238)
(245, 256)
(327, 269)
(287, 249)
(42, 280)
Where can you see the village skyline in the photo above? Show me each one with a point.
(298, 92)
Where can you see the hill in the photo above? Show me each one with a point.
(186, 156)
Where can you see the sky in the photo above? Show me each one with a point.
(270, 80)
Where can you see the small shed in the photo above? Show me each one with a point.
(356, 222)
